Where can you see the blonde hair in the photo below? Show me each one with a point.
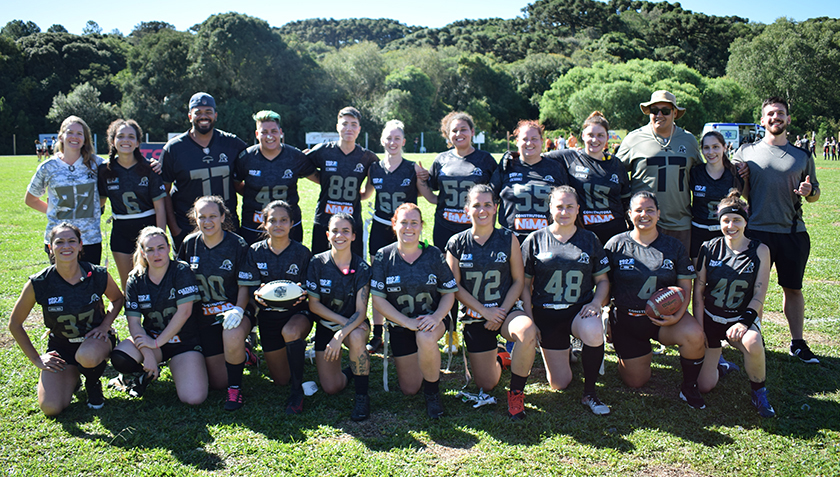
(139, 258)
(87, 147)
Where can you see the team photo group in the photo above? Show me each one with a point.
(667, 240)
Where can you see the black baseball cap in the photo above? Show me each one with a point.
(202, 99)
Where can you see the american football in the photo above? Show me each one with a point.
(665, 301)
(280, 295)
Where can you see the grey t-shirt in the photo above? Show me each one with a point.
(775, 172)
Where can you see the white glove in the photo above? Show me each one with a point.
(232, 318)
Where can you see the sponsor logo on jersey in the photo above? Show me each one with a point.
(432, 279)
(699, 188)
(325, 282)
(597, 218)
(188, 290)
(450, 284)
(311, 285)
(55, 309)
(334, 208)
(477, 171)
(466, 257)
(144, 182)
(750, 268)
(93, 298)
(584, 257)
(691, 268)
(255, 172)
(627, 264)
(207, 159)
(515, 176)
(457, 217)
(132, 305)
(377, 180)
(392, 280)
(682, 148)
(405, 183)
(288, 174)
(377, 284)
(359, 168)
(331, 164)
(245, 276)
(226, 265)
(605, 261)
(667, 264)
(394, 289)
(549, 178)
(501, 257)
(293, 270)
(262, 266)
(144, 298)
(543, 256)
(55, 300)
(715, 263)
(529, 223)
(194, 259)
(582, 169)
(114, 187)
(614, 178)
(223, 157)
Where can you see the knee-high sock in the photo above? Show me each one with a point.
(592, 357)
(295, 352)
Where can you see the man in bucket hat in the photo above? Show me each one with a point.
(659, 156)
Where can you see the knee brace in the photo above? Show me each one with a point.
(124, 363)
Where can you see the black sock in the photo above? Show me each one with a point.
(296, 354)
(234, 372)
(517, 382)
(377, 331)
(797, 342)
(361, 383)
(691, 369)
(349, 374)
(592, 358)
(756, 386)
(431, 387)
(92, 375)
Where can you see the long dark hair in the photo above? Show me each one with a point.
(143, 166)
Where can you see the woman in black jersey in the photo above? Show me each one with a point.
(643, 261)
(487, 264)
(136, 192)
(414, 289)
(70, 293)
(339, 286)
(279, 257)
(733, 273)
(218, 257)
(565, 287)
(159, 303)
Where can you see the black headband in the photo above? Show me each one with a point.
(732, 209)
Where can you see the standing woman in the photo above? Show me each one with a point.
(136, 192)
(565, 287)
(599, 178)
(733, 273)
(524, 180)
(159, 305)
(279, 257)
(70, 294)
(218, 257)
(69, 179)
(414, 289)
(338, 283)
(643, 261)
(487, 265)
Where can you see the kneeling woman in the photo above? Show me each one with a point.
(338, 283)
(161, 292)
(414, 289)
(641, 262)
(70, 294)
(732, 276)
(278, 257)
(487, 264)
(563, 264)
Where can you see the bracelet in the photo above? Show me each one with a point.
(748, 317)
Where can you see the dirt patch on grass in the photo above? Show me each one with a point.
(811, 336)
(668, 471)
(34, 325)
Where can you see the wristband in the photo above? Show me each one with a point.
(813, 192)
(748, 317)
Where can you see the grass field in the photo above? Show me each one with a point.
(650, 432)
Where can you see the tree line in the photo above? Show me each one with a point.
(560, 60)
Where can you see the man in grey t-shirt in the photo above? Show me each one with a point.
(781, 174)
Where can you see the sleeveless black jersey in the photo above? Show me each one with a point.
(220, 271)
(290, 264)
(601, 185)
(157, 304)
(413, 288)
(132, 194)
(730, 278)
(268, 180)
(453, 176)
(707, 193)
(341, 177)
(563, 273)
(71, 311)
(393, 188)
(524, 190)
(196, 171)
(334, 289)
(636, 270)
(485, 269)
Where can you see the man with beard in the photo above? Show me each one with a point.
(198, 163)
(781, 174)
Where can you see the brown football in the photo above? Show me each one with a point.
(665, 301)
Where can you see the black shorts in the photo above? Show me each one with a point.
(556, 326)
(125, 231)
(480, 339)
(271, 328)
(321, 244)
(323, 335)
(191, 342)
(631, 335)
(716, 332)
(380, 236)
(254, 236)
(403, 342)
(67, 350)
(790, 254)
(210, 338)
(698, 236)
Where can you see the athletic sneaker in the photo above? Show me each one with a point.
(516, 405)
(504, 358)
(800, 348)
(120, 383)
(235, 400)
(94, 393)
(691, 395)
(295, 403)
(361, 408)
(576, 350)
(374, 345)
(725, 367)
(595, 405)
(759, 400)
(251, 356)
(138, 387)
(434, 406)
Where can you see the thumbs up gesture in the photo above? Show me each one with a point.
(422, 172)
(805, 188)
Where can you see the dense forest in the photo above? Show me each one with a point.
(558, 61)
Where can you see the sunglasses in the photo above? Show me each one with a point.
(664, 111)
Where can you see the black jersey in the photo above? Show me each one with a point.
(454, 176)
(524, 190)
(71, 311)
(636, 270)
(333, 288)
(601, 185)
(707, 193)
(485, 269)
(730, 278)
(220, 272)
(132, 194)
(341, 177)
(393, 188)
(290, 264)
(267, 180)
(196, 171)
(157, 304)
(563, 273)
(414, 289)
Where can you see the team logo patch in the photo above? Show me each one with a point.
(94, 298)
(750, 268)
(293, 270)
(171, 293)
(667, 264)
(501, 257)
(223, 157)
(287, 174)
(682, 148)
(405, 183)
(548, 178)
(144, 182)
(432, 279)
(614, 179)
(477, 171)
(112, 180)
(226, 265)
(359, 168)
(584, 257)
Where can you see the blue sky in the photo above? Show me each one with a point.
(432, 13)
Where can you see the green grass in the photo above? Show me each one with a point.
(650, 432)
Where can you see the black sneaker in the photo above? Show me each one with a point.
(434, 406)
(138, 387)
(800, 348)
(94, 393)
(361, 408)
(691, 395)
(374, 345)
(235, 400)
(295, 404)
